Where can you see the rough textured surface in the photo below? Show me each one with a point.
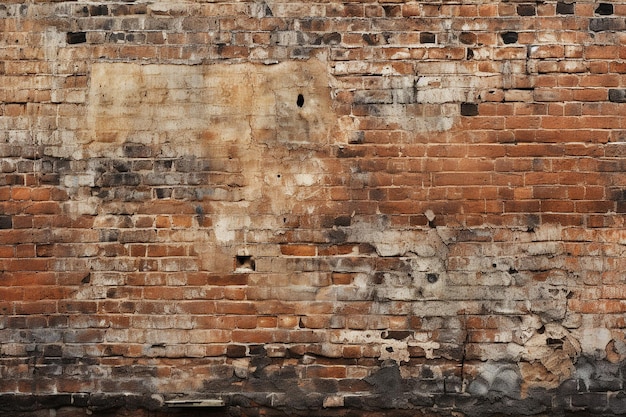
(312, 208)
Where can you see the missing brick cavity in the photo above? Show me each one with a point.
(244, 263)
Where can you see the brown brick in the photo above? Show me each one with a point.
(326, 372)
(298, 250)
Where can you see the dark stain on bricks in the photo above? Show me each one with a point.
(73, 38)
(6, 222)
(397, 334)
(617, 95)
(509, 37)
(427, 37)
(563, 7)
(526, 9)
(604, 9)
(371, 39)
(236, 351)
(467, 38)
(469, 109)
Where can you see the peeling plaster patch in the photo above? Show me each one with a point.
(184, 109)
(549, 355)
(391, 349)
(397, 242)
(246, 119)
(396, 350)
(423, 252)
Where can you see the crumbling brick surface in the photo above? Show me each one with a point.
(312, 207)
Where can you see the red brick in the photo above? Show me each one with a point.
(20, 193)
(601, 51)
(325, 372)
(43, 208)
(598, 306)
(468, 178)
(352, 351)
(298, 250)
(529, 206)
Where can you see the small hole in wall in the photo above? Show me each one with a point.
(432, 278)
(300, 100)
(244, 263)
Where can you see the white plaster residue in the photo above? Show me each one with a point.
(88, 207)
(225, 227)
(593, 341)
(79, 180)
(396, 350)
(548, 232)
(305, 179)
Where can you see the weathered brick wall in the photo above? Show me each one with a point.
(313, 205)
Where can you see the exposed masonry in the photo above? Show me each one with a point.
(313, 208)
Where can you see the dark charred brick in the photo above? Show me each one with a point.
(617, 95)
(123, 178)
(392, 10)
(591, 401)
(565, 7)
(333, 38)
(6, 222)
(467, 38)
(257, 350)
(185, 165)
(428, 37)
(397, 334)
(163, 165)
(236, 351)
(121, 166)
(469, 109)
(109, 235)
(526, 9)
(336, 236)
(342, 221)
(386, 380)
(99, 10)
(73, 38)
(371, 38)
(509, 37)
(134, 150)
(16, 322)
(604, 9)
(53, 350)
(163, 192)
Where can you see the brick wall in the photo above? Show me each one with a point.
(298, 206)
